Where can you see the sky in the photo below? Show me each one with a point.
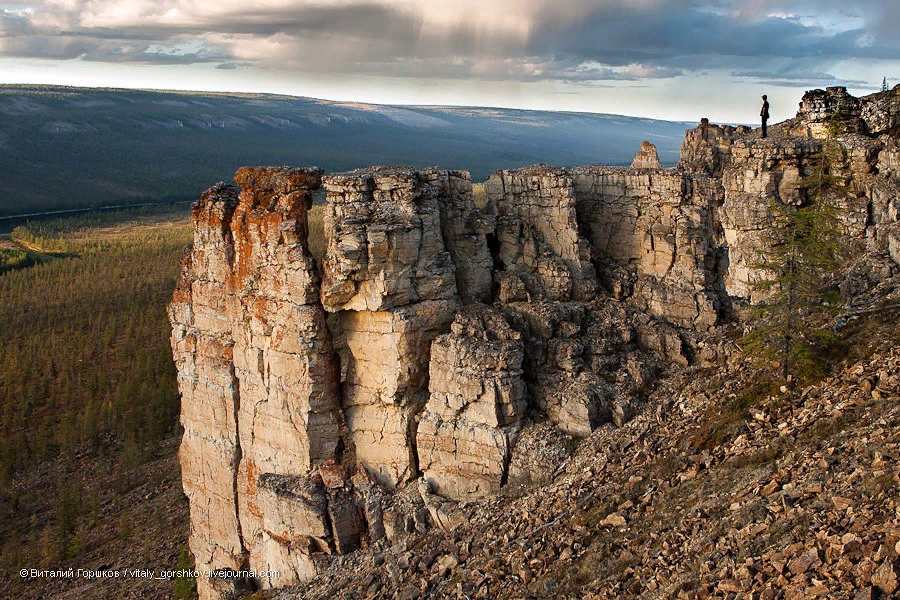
(668, 59)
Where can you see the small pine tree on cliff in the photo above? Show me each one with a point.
(805, 244)
(884, 86)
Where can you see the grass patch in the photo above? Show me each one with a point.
(481, 197)
(722, 422)
(70, 234)
(316, 239)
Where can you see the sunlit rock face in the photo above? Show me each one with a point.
(537, 235)
(646, 157)
(440, 352)
(266, 402)
(392, 283)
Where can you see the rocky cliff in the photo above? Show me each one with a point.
(439, 352)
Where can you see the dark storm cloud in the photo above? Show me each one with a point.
(14, 25)
(360, 20)
(788, 42)
(694, 39)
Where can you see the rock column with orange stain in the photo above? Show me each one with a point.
(257, 370)
(203, 348)
(289, 413)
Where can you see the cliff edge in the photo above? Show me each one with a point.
(441, 353)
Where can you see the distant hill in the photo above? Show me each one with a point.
(67, 147)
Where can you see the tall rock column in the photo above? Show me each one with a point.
(289, 413)
(203, 347)
(392, 283)
(464, 227)
(538, 239)
(257, 373)
(646, 157)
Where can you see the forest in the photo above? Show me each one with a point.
(88, 398)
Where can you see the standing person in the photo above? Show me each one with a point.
(764, 113)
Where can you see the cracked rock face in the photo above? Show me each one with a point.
(818, 106)
(477, 397)
(763, 171)
(392, 282)
(289, 411)
(464, 228)
(881, 111)
(662, 226)
(267, 400)
(537, 233)
(759, 170)
(707, 148)
(645, 234)
(585, 363)
(203, 350)
(385, 382)
(557, 228)
(385, 246)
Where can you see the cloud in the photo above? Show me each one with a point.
(231, 65)
(802, 79)
(694, 39)
(783, 42)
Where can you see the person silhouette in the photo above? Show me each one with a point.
(764, 113)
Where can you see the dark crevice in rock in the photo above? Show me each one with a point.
(411, 431)
(238, 456)
(329, 526)
(507, 459)
(493, 244)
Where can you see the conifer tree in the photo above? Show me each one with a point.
(884, 85)
(803, 246)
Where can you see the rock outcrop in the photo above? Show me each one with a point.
(707, 149)
(537, 235)
(881, 112)
(477, 401)
(818, 107)
(760, 171)
(755, 172)
(440, 352)
(646, 157)
(795, 501)
(203, 348)
(392, 284)
(656, 240)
